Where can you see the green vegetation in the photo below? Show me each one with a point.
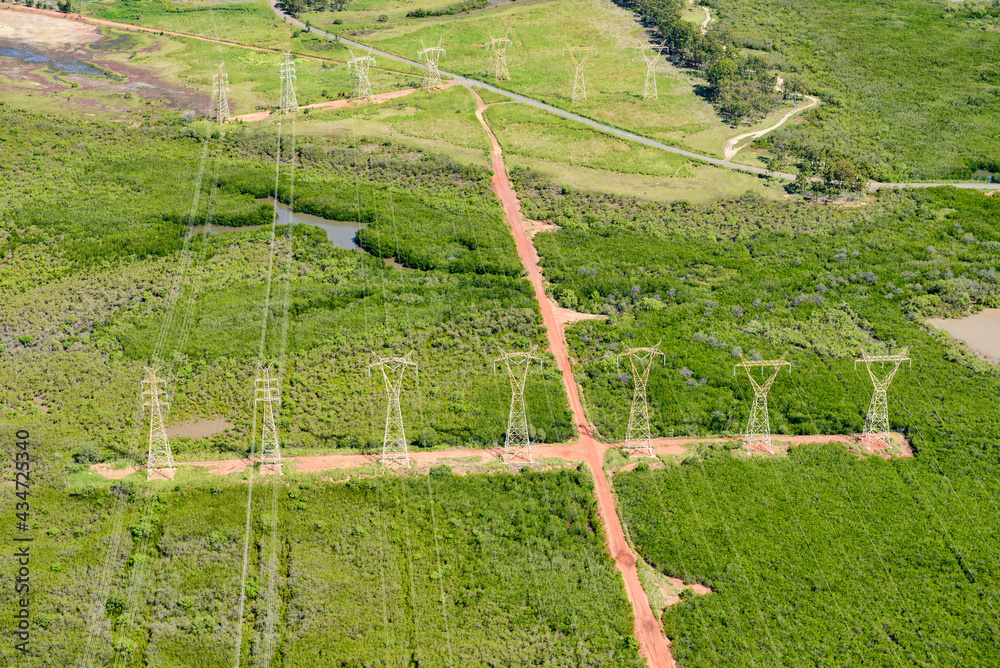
(538, 66)
(824, 559)
(440, 121)
(917, 103)
(101, 277)
(532, 133)
(423, 569)
(759, 278)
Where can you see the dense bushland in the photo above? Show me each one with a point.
(760, 278)
(102, 276)
(915, 103)
(823, 559)
(475, 570)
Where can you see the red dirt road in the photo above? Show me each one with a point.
(653, 645)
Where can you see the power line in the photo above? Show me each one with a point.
(497, 46)
(358, 66)
(650, 54)
(758, 433)
(579, 54)
(637, 437)
(876, 435)
(160, 461)
(429, 56)
(267, 395)
(517, 444)
(394, 445)
(220, 94)
(286, 73)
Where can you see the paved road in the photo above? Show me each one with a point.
(624, 134)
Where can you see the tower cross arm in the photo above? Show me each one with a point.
(901, 357)
(753, 364)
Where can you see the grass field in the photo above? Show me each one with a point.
(440, 121)
(538, 67)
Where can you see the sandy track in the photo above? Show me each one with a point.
(708, 18)
(731, 147)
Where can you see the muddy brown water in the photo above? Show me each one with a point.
(981, 332)
(199, 428)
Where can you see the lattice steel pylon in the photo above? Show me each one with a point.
(497, 46)
(876, 435)
(286, 72)
(637, 437)
(758, 433)
(430, 55)
(220, 94)
(358, 66)
(579, 54)
(517, 443)
(394, 444)
(160, 461)
(651, 54)
(267, 395)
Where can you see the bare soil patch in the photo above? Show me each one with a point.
(63, 39)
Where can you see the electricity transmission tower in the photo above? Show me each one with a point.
(637, 436)
(497, 46)
(758, 433)
(359, 70)
(394, 442)
(651, 54)
(876, 434)
(517, 444)
(267, 395)
(579, 54)
(430, 55)
(286, 72)
(220, 93)
(161, 460)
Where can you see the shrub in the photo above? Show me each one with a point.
(428, 438)
(115, 605)
(141, 530)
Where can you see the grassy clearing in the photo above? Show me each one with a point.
(538, 67)
(532, 133)
(430, 119)
(704, 185)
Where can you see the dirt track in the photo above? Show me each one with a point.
(653, 645)
(730, 148)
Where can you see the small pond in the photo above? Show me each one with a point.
(339, 232)
(981, 332)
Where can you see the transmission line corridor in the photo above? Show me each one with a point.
(653, 644)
